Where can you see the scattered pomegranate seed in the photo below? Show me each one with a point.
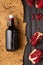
(33, 17)
(38, 16)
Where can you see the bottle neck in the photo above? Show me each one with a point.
(11, 22)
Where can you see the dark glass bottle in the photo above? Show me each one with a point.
(11, 35)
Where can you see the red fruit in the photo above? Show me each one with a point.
(39, 4)
(39, 16)
(35, 56)
(33, 17)
(36, 38)
(30, 2)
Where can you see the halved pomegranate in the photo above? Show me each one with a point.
(35, 56)
(36, 38)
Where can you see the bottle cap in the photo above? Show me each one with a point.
(11, 16)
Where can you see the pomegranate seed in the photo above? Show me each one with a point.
(38, 16)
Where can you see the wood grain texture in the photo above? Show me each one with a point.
(14, 7)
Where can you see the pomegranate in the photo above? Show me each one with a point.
(36, 38)
(35, 56)
(30, 2)
(39, 4)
